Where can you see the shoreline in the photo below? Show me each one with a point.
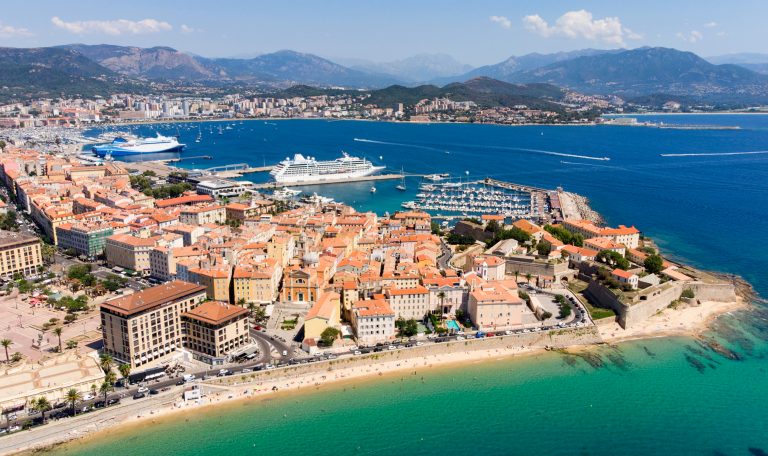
(687, 321)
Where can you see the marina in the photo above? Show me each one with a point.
(460, 199)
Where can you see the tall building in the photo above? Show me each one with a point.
(19, 253)
(146, 325)
(214, 329)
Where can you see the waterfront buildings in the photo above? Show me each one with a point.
(19, 254)
(214, 329)
(494, 306)
(627, 236)
(373, 321)
(147, 325)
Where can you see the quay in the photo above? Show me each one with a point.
(377, 177)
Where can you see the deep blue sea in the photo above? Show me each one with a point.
(665, 396)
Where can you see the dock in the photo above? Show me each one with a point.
(377, 177)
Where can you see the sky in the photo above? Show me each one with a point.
(476, 32)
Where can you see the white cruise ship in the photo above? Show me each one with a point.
(302, 169)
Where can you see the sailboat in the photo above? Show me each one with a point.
(199, 135)
(373, 189)
(402, 186)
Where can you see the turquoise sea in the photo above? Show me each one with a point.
(662, 396)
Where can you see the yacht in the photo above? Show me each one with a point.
(121, 146)
(309, 169)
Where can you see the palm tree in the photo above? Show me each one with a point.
(57, 331)
(441, 297)
(42, 405)
(107, 362)
(517, 273)
(105, 388)
(6, 343)
(125, 370)
(73, 396)
(528, 278)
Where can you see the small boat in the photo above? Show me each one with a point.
(373, 189)
(402, 186)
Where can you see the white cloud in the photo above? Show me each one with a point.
(710, 24)
(581, 24)
(113, 27)
(187, 29)
(692, 37)
(9, 31)
(502, 20)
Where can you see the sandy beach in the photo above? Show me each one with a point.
(688, 321)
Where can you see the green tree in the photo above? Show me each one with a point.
(653, 264)
(73, 396)
(71, 344)
(441, 297)
(528, 277)
(42, 405)
(6, 343)
(328, 336)
(517, 273)
(125, 370)
(105, 388)
(106, 361)
(57, 330)
(493, 227)
(544, 247)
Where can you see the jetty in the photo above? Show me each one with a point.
(346, 180)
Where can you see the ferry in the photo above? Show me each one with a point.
(121, 146)
(308, 169)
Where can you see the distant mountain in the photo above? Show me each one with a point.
(54, 72)
(646, 71)
(739, 58)
(483, 91)
(296, 67)
(503, 71)
(749, 60)
(283, 67)
(421, 67)
(160, 63)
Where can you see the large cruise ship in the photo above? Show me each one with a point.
(121, 146)
(302, 169)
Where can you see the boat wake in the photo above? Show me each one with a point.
(559, 154)
(717, 154)
(387, 143)
(586, 164)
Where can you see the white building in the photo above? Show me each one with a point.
(373, 321)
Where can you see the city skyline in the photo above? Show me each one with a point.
(484, 33)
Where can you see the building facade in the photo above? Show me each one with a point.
(19, 253)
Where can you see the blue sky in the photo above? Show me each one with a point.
(476, 32)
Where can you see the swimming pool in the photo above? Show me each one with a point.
(452, 325)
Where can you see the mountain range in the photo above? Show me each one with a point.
(643, 72)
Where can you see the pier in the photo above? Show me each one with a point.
(376, 177)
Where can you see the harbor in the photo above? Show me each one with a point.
(454, 200)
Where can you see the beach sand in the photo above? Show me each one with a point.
(670, 322)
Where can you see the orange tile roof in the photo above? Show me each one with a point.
(215, 312)
(373, 308)
(153, 297)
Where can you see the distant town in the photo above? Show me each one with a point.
(122, 108)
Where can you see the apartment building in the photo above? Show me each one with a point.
(214, 329)
(86, 238)
(146, 325)
(409, 303)
(129, 251)
(373, 321)
(19, 253)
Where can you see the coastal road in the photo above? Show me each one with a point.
(445, 255)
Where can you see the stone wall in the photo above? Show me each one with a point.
(560, 338)
(535, 268)
(653, 299)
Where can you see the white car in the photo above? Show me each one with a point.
(357, 352)
(87, 397)
(508, 332)
(460, 338)
(419, 344)
(143, 389)
(391, 347)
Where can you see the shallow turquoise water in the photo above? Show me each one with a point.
(664, 396)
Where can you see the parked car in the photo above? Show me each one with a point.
(139, 395)
(143, 389)
(154, 391)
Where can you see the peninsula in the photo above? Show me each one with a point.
(146, 295)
